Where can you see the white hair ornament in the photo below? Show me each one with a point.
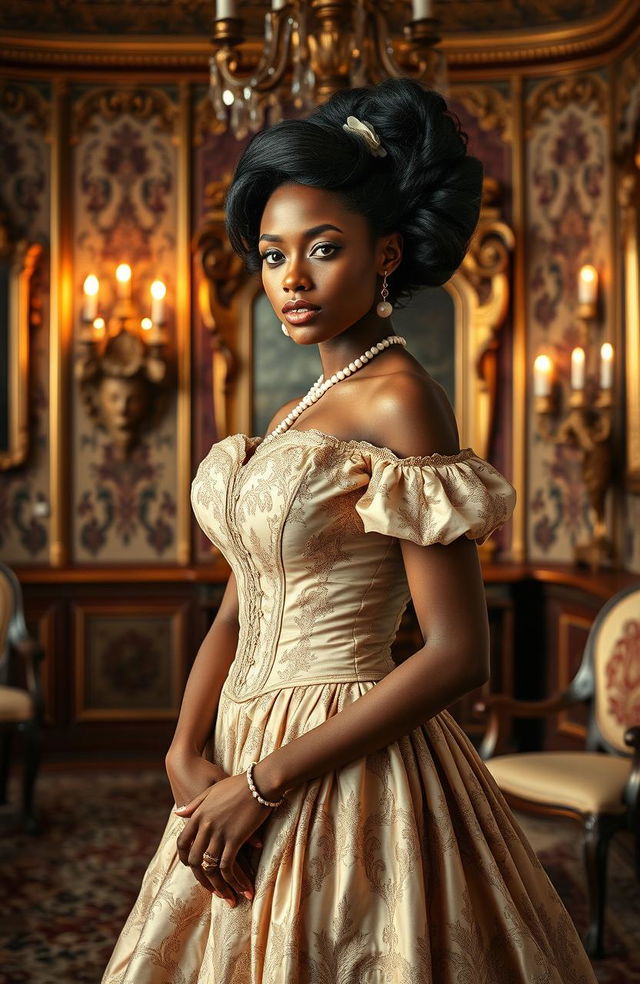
(366, 131)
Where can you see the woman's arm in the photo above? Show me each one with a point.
(207, 676)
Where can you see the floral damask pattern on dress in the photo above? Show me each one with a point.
(405, 866)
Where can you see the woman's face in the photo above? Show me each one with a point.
(334, 268)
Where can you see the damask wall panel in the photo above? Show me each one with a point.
(125, 174)
(25, 168)
(568, 184)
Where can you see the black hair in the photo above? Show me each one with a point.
(428, 187)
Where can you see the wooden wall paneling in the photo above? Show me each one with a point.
(128, 658)
(568, 617)
(45, 623)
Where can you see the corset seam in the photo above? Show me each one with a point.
(312, 682)
(279, 598)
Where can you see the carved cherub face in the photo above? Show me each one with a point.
(123, 404)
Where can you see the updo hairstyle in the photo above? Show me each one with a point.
(428, 187)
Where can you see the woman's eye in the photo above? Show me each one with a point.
(271, 252)
(327, 246)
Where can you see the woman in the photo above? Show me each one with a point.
(338, 824)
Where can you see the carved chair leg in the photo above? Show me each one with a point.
(598, 831)
(32, 752)
(5, 762)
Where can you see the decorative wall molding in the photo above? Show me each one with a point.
(531, 49)
(25, 100)
(491, 108)
(579, 90)
(109, 104)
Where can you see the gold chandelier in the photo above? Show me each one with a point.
(311, 49)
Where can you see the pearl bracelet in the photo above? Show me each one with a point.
(254, 791)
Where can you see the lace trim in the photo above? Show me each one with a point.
(374, 450)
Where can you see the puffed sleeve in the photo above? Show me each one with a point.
(436, 498)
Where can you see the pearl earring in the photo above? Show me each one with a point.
(284, 329)
(384, 309)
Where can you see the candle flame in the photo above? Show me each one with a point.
(158, 290)
(123, 273)
(588, 273)
(91, 285)
(543, 363)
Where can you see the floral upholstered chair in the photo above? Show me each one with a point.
(600, 786)
(21, 706)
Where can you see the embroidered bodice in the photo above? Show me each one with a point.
(311, 527)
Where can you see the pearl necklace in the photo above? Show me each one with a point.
(321, 384)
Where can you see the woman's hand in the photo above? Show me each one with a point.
(190, 776)
(221, 820)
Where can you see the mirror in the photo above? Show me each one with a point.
(17, 263)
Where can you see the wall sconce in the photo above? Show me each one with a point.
(586, 424)
(123, 369)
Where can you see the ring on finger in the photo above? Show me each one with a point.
(208, 862)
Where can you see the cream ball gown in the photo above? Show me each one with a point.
(406, 866)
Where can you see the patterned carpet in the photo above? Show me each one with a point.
(65, 893)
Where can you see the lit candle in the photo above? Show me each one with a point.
(587, 284)
(606, 365)
(225, 8)
(91, 288)
(421, 9)
(146, 324)
(577, 368)
(542, 372)
(123, 276)
(158, 293)
(98, 328)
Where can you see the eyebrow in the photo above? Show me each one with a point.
(310, 232)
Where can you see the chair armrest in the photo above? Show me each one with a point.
(32, 655)
(632, 788)
(501, 709)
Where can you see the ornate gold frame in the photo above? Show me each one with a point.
(480, 291)
(21, 258)
(629, 198)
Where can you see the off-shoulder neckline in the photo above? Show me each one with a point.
(374, 450)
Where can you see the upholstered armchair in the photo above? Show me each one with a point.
(600, 786)
(21, 706)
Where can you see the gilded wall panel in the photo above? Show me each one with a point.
(125, 169)
(568, 184)
(25, 167)
(627, 105)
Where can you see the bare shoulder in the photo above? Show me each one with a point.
(410, 413)
(282, 413)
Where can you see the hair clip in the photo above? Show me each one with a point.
(366, 131)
